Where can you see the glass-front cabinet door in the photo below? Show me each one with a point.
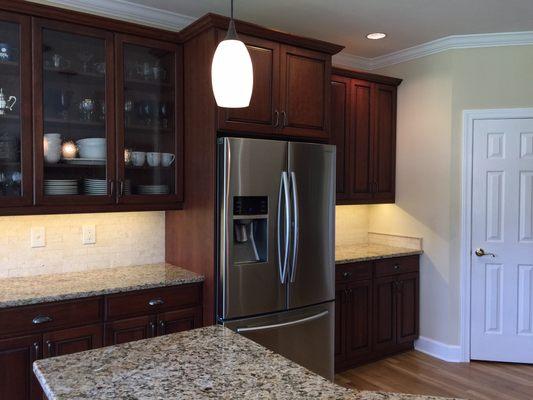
(149, 128)
(15, 109)
(73, 114)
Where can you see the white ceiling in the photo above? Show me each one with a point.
(407, 22)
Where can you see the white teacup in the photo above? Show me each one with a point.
(138, 158)
(153, 158)
(167, 159)
(52, 153)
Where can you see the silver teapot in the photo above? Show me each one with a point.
(6, 105)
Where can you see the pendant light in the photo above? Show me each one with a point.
(232, 75)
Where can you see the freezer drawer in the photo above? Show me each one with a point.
(304, 336)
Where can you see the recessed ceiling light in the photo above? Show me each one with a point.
(376, 36)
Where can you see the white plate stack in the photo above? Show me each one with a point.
(152, 189)
(60, 187)
(127, 187)
(95, 187)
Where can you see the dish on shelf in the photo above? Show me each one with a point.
(152, 189)
(95, 187)
(56, 187)
(92, 148)
(84, 161)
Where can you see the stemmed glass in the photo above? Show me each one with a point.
(85, 57)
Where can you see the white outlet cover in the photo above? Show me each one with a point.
(38, 237)
(89, 234)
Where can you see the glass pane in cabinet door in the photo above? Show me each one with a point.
(74, 104)
(149, 125)
(10, 115)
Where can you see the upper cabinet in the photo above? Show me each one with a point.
(290, 96)
(363, 127)
(148, 126)
(73, 114)
(106, 110)
(15, 110)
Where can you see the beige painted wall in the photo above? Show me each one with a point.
(122, 239)
(435, 91)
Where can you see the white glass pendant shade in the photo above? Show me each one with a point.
(232, 74)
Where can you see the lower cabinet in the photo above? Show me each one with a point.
(17, 381)
(30, 333)
(376, 309)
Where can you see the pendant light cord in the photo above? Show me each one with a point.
(231, 9)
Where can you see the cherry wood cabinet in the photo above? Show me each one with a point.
(376, 307)
(363, 126)
(129, 330)
(263, 115)
(17, 354)
(29, 333)
(74, 340)
(16, 187)
(305, 88)
(111, 90)
(290, 95)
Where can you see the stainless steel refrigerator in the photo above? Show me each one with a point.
(275, 278)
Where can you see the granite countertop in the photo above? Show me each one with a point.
(205, 363)
(370, 251)
(73, 285)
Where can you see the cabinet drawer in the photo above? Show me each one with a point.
(398, 265)
(152, 301)
(51, 315)
(353, 272)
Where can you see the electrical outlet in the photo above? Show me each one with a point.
(38, 237)
(89, 234)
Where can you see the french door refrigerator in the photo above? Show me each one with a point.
(275, 278)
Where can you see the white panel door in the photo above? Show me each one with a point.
(502, 226)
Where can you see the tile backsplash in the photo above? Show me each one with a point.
(351, 225)
(122, 239)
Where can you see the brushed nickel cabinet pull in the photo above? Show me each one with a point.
(162, 327)
(156, 302)
(276, 120)
(41, 319)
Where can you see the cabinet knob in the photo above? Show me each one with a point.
(346, 275)
(156, 302)
(41, 319)
(396, 266)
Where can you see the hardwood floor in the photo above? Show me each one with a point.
(417, 373)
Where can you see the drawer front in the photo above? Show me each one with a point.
(398, 265)
(152, 301)
(43, 317)
(353, 272)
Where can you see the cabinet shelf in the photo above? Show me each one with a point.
(136, 83)
(58, 121)
(149, 168)
(72, 73)
(146, 129)
(73, 166)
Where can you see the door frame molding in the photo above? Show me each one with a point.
(469, 117)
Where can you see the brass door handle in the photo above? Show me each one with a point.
(481, 253)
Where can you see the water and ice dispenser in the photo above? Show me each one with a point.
(250, 229)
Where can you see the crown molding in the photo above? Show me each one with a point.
(125, 10)
(435, 46)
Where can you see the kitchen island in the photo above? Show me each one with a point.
(206, 363)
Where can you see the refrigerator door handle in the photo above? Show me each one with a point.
(291, 323)
(283, 196)
(296, 228)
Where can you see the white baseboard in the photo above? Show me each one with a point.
(439, 350)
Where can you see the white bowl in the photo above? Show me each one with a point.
(92, 151)
(92, 141)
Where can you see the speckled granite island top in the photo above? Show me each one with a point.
(206, 363)
(370, 251)
(73, 285)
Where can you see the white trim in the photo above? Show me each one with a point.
(138, 13)
(469, 117)
(125, 10)
(443, 351)
(437, 46)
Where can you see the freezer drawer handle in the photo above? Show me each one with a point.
(291, 323)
